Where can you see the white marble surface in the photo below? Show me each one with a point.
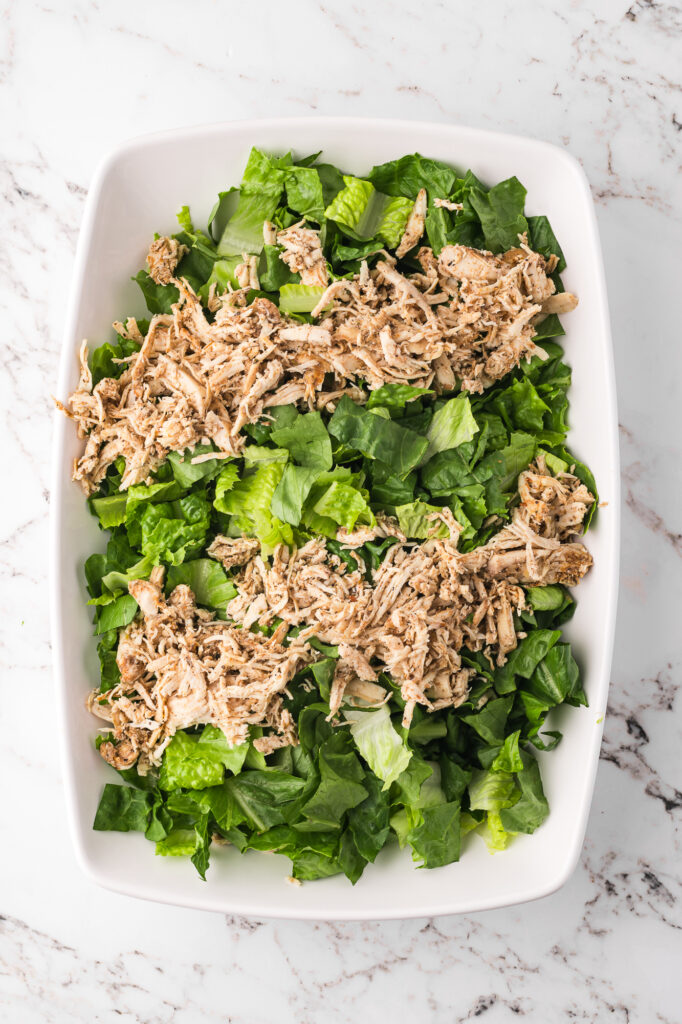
(602, 79)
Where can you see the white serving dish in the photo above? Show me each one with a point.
(135, 192)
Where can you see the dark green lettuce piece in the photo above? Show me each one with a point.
(405, 177)
(368, 821)
(500, 211)
(378, 438)
(291, 493)
(542, 239)
(264, 796)
(307, 440)
(331, 180)
(102, 359)
(187, 473)
(122, 809)
(110, 675)
(556, 678)
(531, 809)
(118, 613)
(158, 297)
(224, 207)
(304, 192)
(467, 229)
(490, 722)
(525, 658)
(436, 840)
(273, 272)
(341, 782)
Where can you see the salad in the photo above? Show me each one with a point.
(341, 520)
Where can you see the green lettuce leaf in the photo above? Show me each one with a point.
(345, 505)
(304, 192)
(207, 580)
(170, 531)
(378, 742)
(500, 211)
(341, 782)
(405, 177)
(377, 438)
(122, 809)
(525, 658)
(368, 821)
(492, 791)
(531, 809)
(187, 473)
(299, 298)
(542, 239)
(291, 493)
(264, 797)
(111, 511)
(181, 842)
(158, 297)
(117, 614)
(273, 272)
(395, 396)
(509, 757)
(259, 196)
(196, 762)
(436, 839)
(349, 206)
(102, 359)
(393, 221)
(249, 501)
(307, 441)
(452, 425)
(414, 521)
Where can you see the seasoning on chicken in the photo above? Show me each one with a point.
(163, 257)
(469, 316)
(181, 667)
(536, 547)
(426, 601)
(232, 551)
(303, 254)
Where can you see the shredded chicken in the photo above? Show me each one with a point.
(163, 257)
(414, 228)
(386, 526)
(447, 204)
(247, 272)
(232, 551)
(469, 316)
(181, 667)
(303, 254)
(426, 601)
(536, 547)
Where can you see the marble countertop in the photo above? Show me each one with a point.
(601, 79)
